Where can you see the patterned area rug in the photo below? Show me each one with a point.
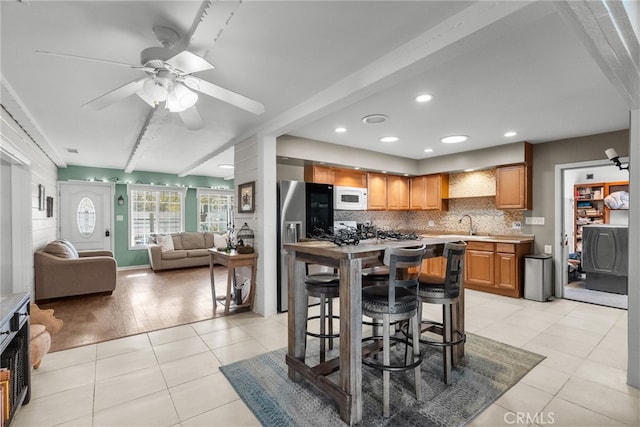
(488, 369)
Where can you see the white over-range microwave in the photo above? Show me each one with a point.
(350, 198)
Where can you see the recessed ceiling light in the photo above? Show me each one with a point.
(425, 97)
(389, 139)
(374, 119)
(510, 134)
(453, 139)
(225, 166)
(340, 129)
(428, 150)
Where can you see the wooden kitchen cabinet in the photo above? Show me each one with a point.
(318, 174)
(479, 265)
(434, 268)
(496, 267)
(429, 192)
(376, 191)
(513, 187)
(349, 178)
(507, 268)
(397, 192)
(417, 192)
(337, 176)
(437, 192)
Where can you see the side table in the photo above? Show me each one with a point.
(232, 260)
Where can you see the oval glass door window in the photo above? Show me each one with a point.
(86, 217)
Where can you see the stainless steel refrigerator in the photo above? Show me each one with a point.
(305, 209)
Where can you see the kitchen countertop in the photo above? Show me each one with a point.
(490, 238)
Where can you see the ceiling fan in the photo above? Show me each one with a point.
(169, 79)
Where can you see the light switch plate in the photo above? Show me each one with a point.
(431, 223)
(547, 249)
(516, 225)
(534, 220)
(119, 218)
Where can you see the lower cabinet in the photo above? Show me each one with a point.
(479, 265)
(496, 267)
(434, 267)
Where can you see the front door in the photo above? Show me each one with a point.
(86, 214)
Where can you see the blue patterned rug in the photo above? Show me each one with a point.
(488, 369)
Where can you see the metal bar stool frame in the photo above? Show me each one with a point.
(395, 300)
(325, 286)
(446, 293)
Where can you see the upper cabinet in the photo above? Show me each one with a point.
(318, 174)
(397, 192)
(336, 176)
(376, 191)
(349, 178)
(429, 192)
(513, 183)
(417, 192)
(513, 187)
(437, 192)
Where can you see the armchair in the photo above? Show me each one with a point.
(61, 271)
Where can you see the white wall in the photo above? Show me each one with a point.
(31, 227)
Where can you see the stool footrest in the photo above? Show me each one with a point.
(392, 368)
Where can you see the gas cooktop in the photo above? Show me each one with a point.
(347, 234)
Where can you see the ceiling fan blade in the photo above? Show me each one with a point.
(191, 118)
(116, 95)
(223, 94)
(86, 58)
(188, 62)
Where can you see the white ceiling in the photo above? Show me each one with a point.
(525, 72)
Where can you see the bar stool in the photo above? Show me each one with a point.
(445, 292)
(392, 301)
(325, 286)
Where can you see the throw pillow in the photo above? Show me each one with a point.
(70, 246)
(59, 249)
(165, 242)
(220, 240)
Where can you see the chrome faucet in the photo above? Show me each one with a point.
(470, 223)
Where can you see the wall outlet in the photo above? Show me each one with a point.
(547, 249)
(516, 225)
(119, 218)
(534, 220)
(431, 223)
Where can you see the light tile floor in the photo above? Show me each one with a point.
(171, 377)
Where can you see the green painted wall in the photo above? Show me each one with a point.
(124, 256)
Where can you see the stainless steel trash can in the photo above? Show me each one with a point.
(538, 277)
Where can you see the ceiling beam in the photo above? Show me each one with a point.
(605, 30)
(152, 124)
(21, 114)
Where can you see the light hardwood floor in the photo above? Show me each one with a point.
(143, 301)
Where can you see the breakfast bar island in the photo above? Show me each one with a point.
(349, 259)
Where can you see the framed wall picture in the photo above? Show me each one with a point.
(49, 206)
(246, 197)
(41, 197)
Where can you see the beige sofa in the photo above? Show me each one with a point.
(188, 249)
(62, 271)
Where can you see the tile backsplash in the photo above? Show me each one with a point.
(486, 218)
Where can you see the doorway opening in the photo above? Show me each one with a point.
(587, 192)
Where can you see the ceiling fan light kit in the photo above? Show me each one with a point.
(169, 79)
